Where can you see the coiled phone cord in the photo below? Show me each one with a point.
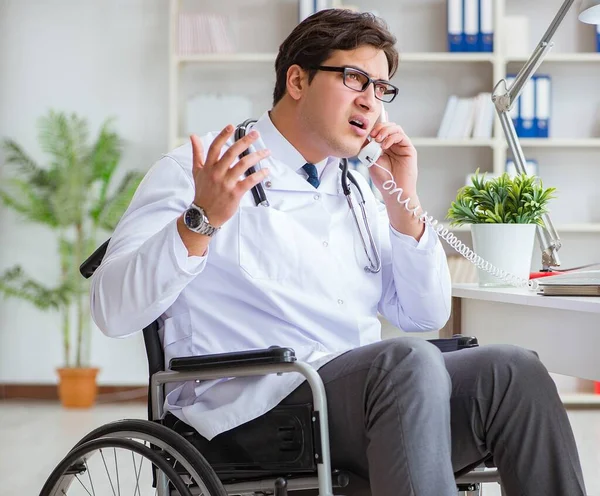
(443, 232)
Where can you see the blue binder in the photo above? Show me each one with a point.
(486, 25)
(542, 105)
(455, 13)
(598, 37)
(471, 25)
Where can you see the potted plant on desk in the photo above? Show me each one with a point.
(74, 197)
(504, 213)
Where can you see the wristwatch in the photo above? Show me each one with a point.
(195, 220)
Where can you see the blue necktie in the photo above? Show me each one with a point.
(313, 176)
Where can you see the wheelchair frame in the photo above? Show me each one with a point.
(319, 418)
(275, 360)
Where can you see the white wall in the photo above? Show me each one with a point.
(99, 59)
(104, 58)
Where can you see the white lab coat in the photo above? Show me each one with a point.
(291, 275)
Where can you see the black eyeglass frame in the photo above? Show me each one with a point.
(370, 80)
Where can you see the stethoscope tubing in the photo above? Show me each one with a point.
(260, 199)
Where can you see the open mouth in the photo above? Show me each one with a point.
(358, 123)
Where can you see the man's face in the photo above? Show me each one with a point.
(328, 107)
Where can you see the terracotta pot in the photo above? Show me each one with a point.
(77, 387)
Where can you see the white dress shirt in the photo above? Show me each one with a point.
(291, 274)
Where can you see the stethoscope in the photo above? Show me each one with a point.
(260, 198)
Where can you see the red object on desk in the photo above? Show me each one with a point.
(537, 275)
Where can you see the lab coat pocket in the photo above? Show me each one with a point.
(177, 337)
(268, 244)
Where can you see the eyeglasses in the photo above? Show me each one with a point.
(358, 80)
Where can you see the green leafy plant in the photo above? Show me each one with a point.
(501, 200)
(74, 196)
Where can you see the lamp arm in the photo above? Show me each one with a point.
(504, 98)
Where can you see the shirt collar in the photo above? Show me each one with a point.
(286, 158)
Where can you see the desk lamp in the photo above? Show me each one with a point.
(504, 98)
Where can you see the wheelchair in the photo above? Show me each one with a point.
(287, 449)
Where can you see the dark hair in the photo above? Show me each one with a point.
(315, 38)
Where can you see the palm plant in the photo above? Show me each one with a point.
(74, 196)
(501, 200)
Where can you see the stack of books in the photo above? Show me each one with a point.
(468, 117)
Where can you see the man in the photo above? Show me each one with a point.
(293, 274)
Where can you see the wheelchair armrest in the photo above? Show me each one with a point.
(87, 268)
(455, 343)
(272, 355)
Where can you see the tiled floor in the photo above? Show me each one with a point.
(34, 436)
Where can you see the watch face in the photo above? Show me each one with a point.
(193, 218)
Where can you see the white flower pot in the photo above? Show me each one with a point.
(506, 246)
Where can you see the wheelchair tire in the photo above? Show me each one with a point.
(171, 442)
(55, 482)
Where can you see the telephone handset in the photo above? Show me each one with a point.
(369, 155)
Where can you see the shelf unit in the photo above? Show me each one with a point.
(562, 228)
(430, 75)
(427, 76)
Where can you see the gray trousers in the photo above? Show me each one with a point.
(407, 417)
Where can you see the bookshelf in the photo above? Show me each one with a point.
(427, 75)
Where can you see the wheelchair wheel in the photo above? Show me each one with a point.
(184, 457)
(110, 466)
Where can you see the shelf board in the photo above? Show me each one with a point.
(424, 142)
(446, 57)
(448, 142)
(561, 228)
(428, 142)
(560, 142)
(270, 57)
(226, 57)
(562, 57)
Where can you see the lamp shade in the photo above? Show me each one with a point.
(590, 11)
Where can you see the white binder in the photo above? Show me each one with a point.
(542, 105)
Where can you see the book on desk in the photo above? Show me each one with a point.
(578, 283)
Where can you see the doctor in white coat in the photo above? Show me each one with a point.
(223, 274)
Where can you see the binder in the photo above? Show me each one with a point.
(486, 25)
(527, 111)
(455, 26)
(515, 112)
(305, 9)
(319, 5)
(484, 118)
(471, 26)
(542, 105)
(598, 37)
(449, 113)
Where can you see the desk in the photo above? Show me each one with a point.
(564, 331)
